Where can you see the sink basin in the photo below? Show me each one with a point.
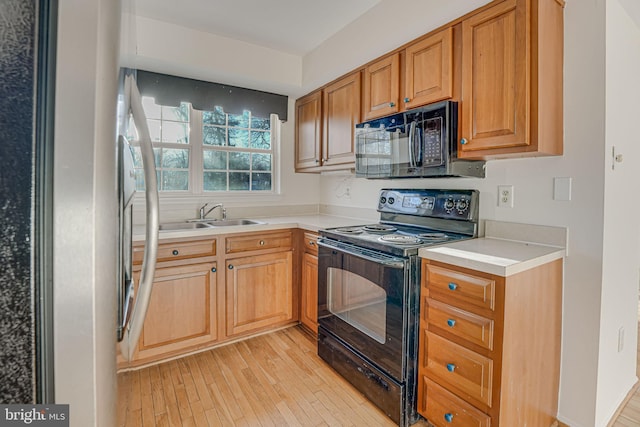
(230, 222)
(175, 226)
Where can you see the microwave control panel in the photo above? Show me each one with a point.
(432, 137)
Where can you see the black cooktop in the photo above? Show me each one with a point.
(411, 219)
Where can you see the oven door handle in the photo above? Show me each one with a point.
(379, 259)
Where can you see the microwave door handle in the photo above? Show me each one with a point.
(417, 158)
(412, 134)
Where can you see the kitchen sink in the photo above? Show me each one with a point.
(230, 222)
(195, 224)
(175, 226)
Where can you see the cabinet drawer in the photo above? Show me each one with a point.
(459, 369)
(452, 286)
(444, 409)
(468, 326)
(178, 250)
(258, 241)
(311, 243)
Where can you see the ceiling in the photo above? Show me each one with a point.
(265, 23)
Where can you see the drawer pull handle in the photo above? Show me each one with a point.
(451, 367)
(448, 417)
(453, 286)
(451, 323)
(261, 242)
(213, 269)
(175, 252)
(230, 267)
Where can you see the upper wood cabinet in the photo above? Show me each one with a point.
(341, 112)
(512, 80)
(502, 63)
(429, 69)
(382, 87)
(308, 130)
(427, 76)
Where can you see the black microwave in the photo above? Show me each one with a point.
(417, 143)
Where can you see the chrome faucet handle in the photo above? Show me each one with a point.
(202, 214)
(224, 213)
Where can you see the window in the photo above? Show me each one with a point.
(237, 154)
(199, 152)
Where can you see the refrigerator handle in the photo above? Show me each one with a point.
(134, 329)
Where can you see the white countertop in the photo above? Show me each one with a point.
(495, 256)
(306, 222)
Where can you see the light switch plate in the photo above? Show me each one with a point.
(562, 188)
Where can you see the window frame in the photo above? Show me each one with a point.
(196, 149)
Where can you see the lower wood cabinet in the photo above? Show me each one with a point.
(182, 310)
(309, 283)
(202, 298)
(489, 346)
(258, 291)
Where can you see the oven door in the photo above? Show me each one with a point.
(363, 299)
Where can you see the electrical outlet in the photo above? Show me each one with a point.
(505, 196)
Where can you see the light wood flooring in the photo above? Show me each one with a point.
(271, 380)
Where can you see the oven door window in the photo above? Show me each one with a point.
(358, 301)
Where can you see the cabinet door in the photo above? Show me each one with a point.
(381, 87)
(309, 309)
(495, 78)
(181, 311)
(341, 111)
(308, 130)
(259, 291)
(428, 70)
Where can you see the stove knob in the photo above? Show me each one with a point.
(391, 200)
(383, 200)
(462, 205)
(449, 204)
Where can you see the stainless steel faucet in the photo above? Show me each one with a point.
(204, 214)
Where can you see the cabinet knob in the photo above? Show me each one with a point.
(261, 242)
(324, 160)
(453, 286)
(213, 269)
(463, 141)
(392, 104)
(317, 160)
(407, 99)
(451, 323)
(312, 243)
(448, 417)
(230, 267)
(175, 252)
(451, 367)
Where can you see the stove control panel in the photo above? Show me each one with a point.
(445, 204)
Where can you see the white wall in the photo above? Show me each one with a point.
(180, 51)
(621, 232)
(85, 210)
(583, 161)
